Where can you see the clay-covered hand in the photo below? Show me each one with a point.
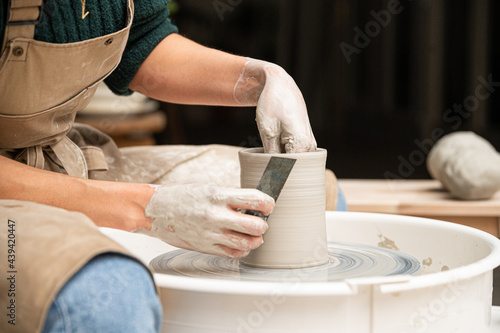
(204, 218)
(281, 111)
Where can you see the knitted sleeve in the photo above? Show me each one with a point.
(150, 26)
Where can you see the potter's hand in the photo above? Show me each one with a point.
(281, 111)
(204, 218)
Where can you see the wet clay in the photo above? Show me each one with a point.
(296, 237)
(346, 261)
(466, 164)
(387, 243)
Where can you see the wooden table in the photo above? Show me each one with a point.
(423, 198)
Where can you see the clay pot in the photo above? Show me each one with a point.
(296, 237)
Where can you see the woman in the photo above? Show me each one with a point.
(60, 180)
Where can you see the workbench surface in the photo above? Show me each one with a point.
(423, 198)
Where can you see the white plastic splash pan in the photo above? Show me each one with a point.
(452, 294)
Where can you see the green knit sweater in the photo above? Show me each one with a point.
(61, 22)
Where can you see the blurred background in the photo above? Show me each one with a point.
(383, 80)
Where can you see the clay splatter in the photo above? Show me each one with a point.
(427, 262)
(445, 268)
(387, 243)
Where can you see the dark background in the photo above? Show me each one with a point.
(369, 112)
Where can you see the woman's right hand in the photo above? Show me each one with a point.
(205, 218)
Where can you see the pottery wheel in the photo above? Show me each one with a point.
(346, 261)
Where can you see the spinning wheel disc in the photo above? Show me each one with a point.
(346, 261)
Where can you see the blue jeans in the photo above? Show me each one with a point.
(111, 293)
(341, 203)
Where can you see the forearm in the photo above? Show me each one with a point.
(181, 71)
(108, 204)
(184, 72)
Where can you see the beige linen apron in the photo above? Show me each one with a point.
(42, 87)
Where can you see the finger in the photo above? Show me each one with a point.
(272, 146)
(298, 143)
(227, 217)
(269, 132)
(222, 246)
(232, 253)
(239, 241)
(243, 223)
(224, 251)
(251, 199)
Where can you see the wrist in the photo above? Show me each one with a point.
(140, 197)
(125, 205)
(250, 83)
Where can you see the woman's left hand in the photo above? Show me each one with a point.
(281, 111)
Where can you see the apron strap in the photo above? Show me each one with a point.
(34, 157)
(76, 161)
(23, 15)
(96, 161)
(71, 157)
